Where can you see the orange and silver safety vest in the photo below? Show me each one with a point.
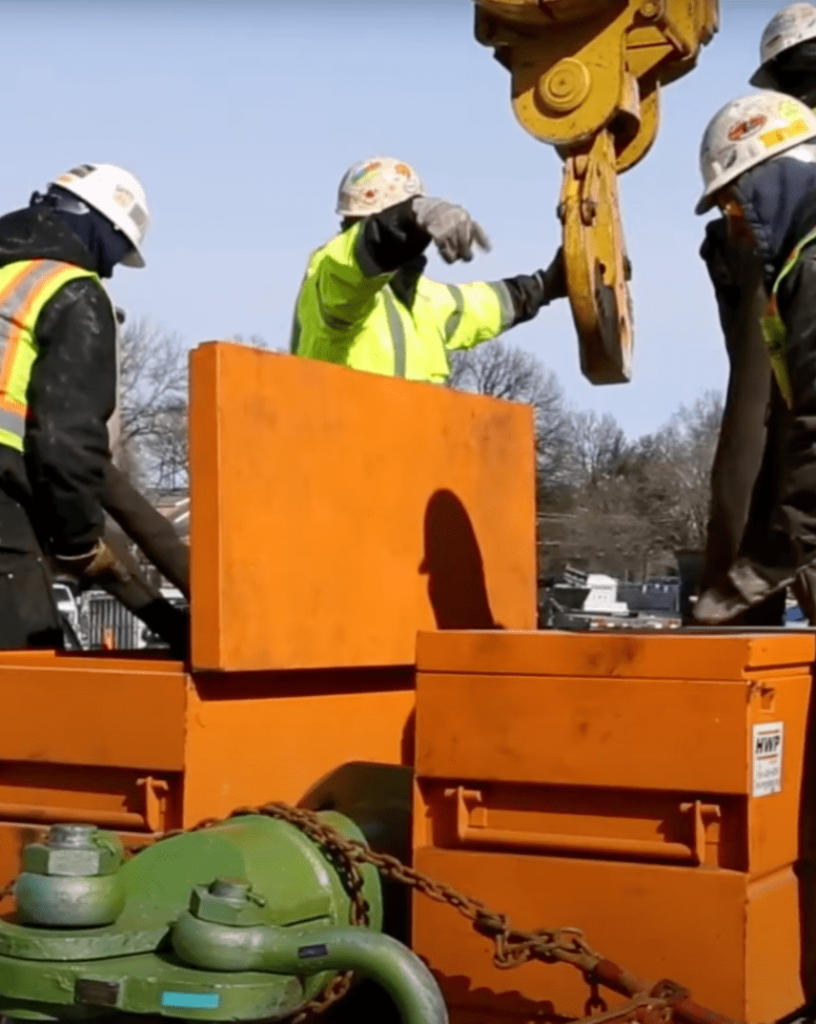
(25, 288)
(773, 328)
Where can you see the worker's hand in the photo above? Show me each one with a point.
(553, 280)
(453, 230)
(99, 563)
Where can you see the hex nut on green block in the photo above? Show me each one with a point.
(228, 901)
(69, 901)
(74, 851)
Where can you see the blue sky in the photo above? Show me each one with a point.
(240, 118)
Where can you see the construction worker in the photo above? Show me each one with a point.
(788, 53)
(758, 161)
(365, 301)
(749, 429)
(57, 392)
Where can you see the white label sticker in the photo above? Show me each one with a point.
(767, 759)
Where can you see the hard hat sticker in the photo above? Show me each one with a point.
(777, 136)
(123, 198)
(365, 173)
(789, 109)
(744, 129)
(767, 758)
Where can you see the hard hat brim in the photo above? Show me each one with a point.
(762, 79)
(133, 259)
(706, 203)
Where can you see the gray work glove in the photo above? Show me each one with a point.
(451, 227)
(553, 280)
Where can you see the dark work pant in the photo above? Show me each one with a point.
(745, 463)
(28, 614)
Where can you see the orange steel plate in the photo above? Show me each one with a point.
(609, 655)
(611, 783)
(657, 921)
(274, 736)
(335, 513)
(110, 711)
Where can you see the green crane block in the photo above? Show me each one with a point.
(251, 871)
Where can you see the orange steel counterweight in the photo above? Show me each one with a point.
(334, 514)
(652, 790)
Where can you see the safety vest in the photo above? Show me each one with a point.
(347, 314)
(773, 328)
(25, 288)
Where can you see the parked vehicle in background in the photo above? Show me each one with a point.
(69, 610)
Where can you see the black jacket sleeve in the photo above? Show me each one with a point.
(392, 237)
(528, 295)
(71, 396)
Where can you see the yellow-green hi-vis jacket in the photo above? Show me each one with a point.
(346, 313)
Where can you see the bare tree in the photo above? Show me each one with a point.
(152, 400)
(673, 471)
(598, 447)
(165, 451)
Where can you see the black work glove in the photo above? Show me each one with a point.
(553, 279)
(530, 292)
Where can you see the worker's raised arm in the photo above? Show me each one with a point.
(483, 310)
(348, 272)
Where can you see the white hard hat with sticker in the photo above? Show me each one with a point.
(787, 28)
(373, 185)
(117, 195)
(747, 132)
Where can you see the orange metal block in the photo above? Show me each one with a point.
(335, 513)
(734, 943)
(140, 746)
(647, 789)
(281, 733)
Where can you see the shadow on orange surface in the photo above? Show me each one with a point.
(454, 566)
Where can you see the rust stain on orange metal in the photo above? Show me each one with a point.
(610, 782)
(335, 513)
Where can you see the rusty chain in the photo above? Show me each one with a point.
(512, 947)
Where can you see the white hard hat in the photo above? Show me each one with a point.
(787, 28)
(747, 132)
(373, 185)
(117, 195)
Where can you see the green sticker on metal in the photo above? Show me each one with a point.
(191, 1000)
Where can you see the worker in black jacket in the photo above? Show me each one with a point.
(57, 392)
(759, 166)
(742, 473)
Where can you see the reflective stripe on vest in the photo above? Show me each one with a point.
(25, 288)
(773, 328)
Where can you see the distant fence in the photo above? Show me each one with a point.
(105, 616)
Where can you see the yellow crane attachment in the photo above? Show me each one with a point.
(586, 77)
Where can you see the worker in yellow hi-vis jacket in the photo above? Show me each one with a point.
(365, 302)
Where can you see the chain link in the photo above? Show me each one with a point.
(512, 946)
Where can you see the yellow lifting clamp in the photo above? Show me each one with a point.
(586, 77)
